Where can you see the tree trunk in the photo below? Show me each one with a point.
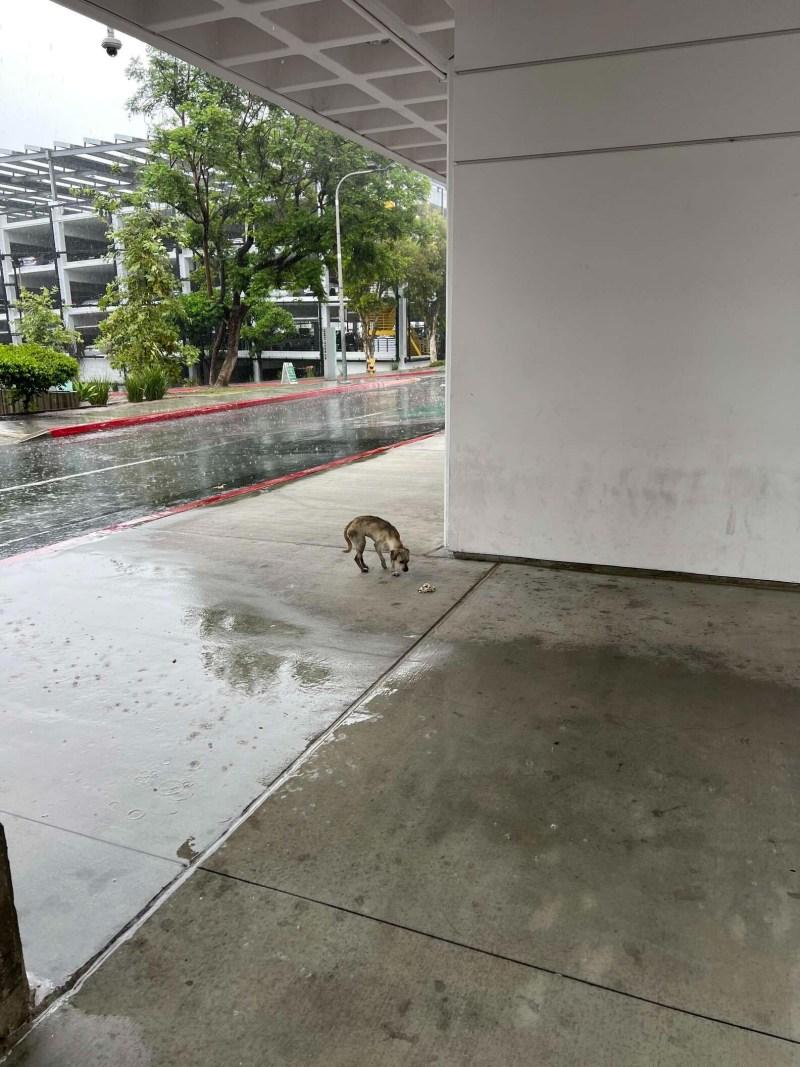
(207, 265)
(216, 348)
(238, 312)
(432, 328)
(369, 336)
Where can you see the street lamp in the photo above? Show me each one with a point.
(342, 323)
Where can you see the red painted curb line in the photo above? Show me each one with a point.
(213, 409)
(230, 494)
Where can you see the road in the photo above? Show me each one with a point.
(53, 489)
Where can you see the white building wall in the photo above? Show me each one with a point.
(626, 284)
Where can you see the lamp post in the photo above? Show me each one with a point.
(342, 323)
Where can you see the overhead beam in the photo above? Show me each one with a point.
(419, 51)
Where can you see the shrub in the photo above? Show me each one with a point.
(134, 387)
(155, 383)
(93, 390)
(100, 388)
(28, 369)
(40, 323)
(147, 383)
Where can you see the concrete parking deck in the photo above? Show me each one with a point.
(560, 828)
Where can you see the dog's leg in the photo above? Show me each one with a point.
(381, 556)
(360, 542)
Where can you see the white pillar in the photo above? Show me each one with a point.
(8, 279)
(62, 274)
(402, 329)
(328, 338)
(185, 269)
(116, 223)
(626, 385)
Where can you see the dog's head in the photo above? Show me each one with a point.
(403, 556)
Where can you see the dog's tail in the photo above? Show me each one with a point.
(347, 538)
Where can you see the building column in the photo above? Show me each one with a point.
(327, 340)
(62, 274)
(626, 208)
(119, 263)
(14, 992)
(9, 281)
(402, 329)
(185, 268)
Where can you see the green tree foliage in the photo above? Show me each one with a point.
(198, 316)
(266, 324)
(426, 276)
(40, 323)
(253, 187)
(28, 369)
(141, 330)
(372, 273)
(379, 242)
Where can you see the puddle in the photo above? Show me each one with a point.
(227, 621)
(247, 669)
(311, 673)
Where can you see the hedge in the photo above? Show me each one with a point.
(28, 369)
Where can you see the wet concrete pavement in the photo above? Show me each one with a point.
(561, 828)
(24, 427)
(293, 983)
(156, 681)
(52, 489)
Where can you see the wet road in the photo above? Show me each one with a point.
(53, 489)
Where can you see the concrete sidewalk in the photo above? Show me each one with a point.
(14, 430)
(559, 828)
(158, 679)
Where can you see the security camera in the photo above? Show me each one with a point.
(111, 43)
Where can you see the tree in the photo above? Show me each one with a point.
(427, 269)
(378, 244)
(40, 323)
(28, 369)
(141, 330)
(370, 273)
(266, 324)
(198, 319)
(253, 189)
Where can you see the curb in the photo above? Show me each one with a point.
(217, 498)
(232, 405)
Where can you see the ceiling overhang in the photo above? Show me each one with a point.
(371, 70)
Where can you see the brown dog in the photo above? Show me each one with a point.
(384, 535)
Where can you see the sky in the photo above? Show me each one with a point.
(56, 82)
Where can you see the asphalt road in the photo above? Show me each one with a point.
(52, 489)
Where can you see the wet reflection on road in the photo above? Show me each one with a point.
(56, 488)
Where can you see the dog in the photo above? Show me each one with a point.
(384, 535)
